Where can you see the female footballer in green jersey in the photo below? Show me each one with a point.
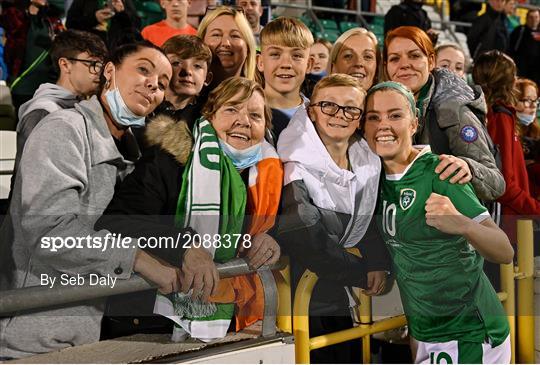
(437, 234)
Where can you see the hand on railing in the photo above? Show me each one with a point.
(165, 276)
(199, 273)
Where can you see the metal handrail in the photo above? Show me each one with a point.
(37, 297)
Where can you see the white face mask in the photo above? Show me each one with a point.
(120, 111)
(242, 159)
(525, 119)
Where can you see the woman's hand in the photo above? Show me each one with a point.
(450, 164)
(264, 250)
(118, 6)
(165, 276)
(376, 282)
(199, 273)
(441, 214)
(102, 15)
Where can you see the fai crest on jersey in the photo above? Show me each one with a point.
(406, 198)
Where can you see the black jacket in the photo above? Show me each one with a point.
(407, 13)
(123, 28)
(525, 50)
(313, 245)
(144, 204)
(488, 32)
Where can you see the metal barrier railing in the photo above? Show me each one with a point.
(525, 287)
(524, 273)
(17, 301)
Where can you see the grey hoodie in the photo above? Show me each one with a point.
(66, 179)
(48, 98)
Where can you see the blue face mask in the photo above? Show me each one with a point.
(525, 119)
(242, 159)
(120, 111)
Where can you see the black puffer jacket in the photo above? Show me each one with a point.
(488, 32)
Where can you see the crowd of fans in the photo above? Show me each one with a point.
(307, 148)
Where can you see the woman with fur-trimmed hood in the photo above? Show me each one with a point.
(222, 183)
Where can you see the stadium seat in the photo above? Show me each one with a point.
(7, 111)
(345, 26)
(152, 13)
(329, 24)
(8, 149)
(330, 35)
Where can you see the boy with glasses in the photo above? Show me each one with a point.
(78, 58)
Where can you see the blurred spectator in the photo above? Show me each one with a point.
(30, 30)
(452, 57)
(197, 10)
(495, 72)
(175, 22)
(489, 31)
(529, 130)
(409, 12)
(115, 21)
(525, 46)
(320, 53)
(3, 66)
(512, 20)
(253, 10)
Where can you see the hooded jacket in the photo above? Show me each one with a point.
(326, 209)
(66, 178)
(455, 106)
(48, 98)
(488, 32)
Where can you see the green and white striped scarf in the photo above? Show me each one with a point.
(212, 201)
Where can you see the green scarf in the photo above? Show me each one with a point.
(212, 201)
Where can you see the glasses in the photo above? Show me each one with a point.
(93, 66)
(234, 8)
(529, 103)
(331, 109)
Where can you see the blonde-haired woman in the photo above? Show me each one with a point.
(356, 53)
(228, 34)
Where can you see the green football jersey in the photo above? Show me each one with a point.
(445, 293)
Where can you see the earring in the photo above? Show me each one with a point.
(107, 84)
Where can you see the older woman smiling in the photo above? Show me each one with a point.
(231, 172)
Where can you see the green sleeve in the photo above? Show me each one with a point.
(462, 196)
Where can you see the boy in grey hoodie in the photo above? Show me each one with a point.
(77, 58)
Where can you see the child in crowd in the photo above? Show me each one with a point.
(78, 58)
(284, 61)
(452, 57)
(319, 52)
(175, 23)
(529, 130)
(328, 205)
(190, 59)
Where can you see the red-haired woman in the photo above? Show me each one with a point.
(448, 112)
(495, 72)
(529, 130)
